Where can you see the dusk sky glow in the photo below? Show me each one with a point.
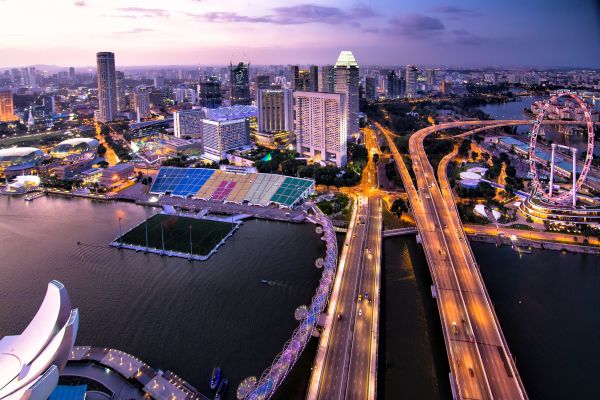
(152, 32)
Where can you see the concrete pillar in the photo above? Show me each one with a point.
(551, 170)
(574, 173)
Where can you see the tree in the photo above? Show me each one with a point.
(375, 158)
(101, 150)
(485, 156)
(474, 155)
(398, 207)
(464, 148)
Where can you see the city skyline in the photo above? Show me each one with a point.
(190, 32)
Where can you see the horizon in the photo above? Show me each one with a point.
(191, 32)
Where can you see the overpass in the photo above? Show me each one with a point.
(481, 364)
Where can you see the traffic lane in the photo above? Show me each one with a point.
(341, 329)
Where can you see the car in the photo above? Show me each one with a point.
(471, 372)
(360, 312)
(360, 297)
(339, 316)
(454, 328)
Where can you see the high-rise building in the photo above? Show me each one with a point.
(179, 95)
(392, 88)
(209, 92)
(327, 79)
(72, 73)
(347, 82)
(49, 105)
(188, 123)
(219, 137)
(275, 110)
(430, 76)
(239, 84)
(121, 96)
(411, 81)
(263, 82)
(370, 88)
(313, 78)
(159, 82)
(320, 126)
(295, 77)
(7, 111)
(107, 86)
(141, 103)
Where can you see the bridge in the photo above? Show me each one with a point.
(400, 231)
(481, 364)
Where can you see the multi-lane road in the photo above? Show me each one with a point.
(480, 361)
(350, 363)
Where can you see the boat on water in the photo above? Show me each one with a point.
(215, 378)
(266, 282)
(222, 388)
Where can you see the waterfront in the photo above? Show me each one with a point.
(514, 110)
(176, 315)
(546, 302)
(412, 359)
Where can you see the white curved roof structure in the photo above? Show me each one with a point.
(30, 362)
(75, 141)
(18, 151)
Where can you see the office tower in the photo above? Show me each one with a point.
(159, 82)
(347, 82)
(275, 110)
(295, 77)
(370, 88)
(179, 95)
(221, 136)
(7, 107)
(320, 126)
(32, 77)
(430, 76)
(107, 86)
(411, 81)
(188, 123)
(313, 78)
(72, 73)
(327, 79)
(239, 84)
(49, 105)
(392, 88)
(209, 92)
(156, 98)
(141, 103)
(263, 82)
(190, 95)
(121, 97)
(402, 86)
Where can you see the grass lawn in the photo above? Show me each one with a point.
(205, 234)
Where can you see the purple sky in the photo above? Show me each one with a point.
(158, 32)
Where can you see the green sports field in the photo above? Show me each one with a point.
(206, 234)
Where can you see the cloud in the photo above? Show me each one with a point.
(455, 11)
(133, 12)
(80, 3)
(371, 30)
(414, 26)
(294, 15)
(464, 37)
(134, 31)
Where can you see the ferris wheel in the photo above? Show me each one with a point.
(577, 183)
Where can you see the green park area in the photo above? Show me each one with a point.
(176, 231)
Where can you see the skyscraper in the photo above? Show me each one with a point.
(209, 92)
(370, 88)
(392, 89)
(239, 84)
(107, 86)
(6, 107)
(313, 78)
(275, 110)
(121, 97)
(263, 82)
(326, 79)
(347, 82)
(141, 103)
(295, 77)
(320, 126)
(411, 81)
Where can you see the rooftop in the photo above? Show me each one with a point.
(346, 59)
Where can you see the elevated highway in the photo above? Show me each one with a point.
(481, 364)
